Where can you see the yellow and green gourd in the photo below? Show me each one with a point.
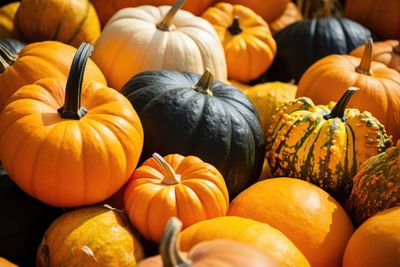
(324, 145)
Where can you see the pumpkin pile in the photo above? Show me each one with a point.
(186, 133)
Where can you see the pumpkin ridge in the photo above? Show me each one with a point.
(346, 34)
(59, 24)
(73, 36)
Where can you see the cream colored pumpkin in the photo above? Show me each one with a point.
(148, 38)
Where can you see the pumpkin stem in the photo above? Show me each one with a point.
(235, 29)
(169, 246)
(338, 110)
(204, 84)
(72, 106)
(365, 64)
(165, 23)
(7, 58)
(170, 177)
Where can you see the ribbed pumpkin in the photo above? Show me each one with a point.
(222, 252)
(92, 237)
(71, 155)
(386, 52)
(376, 242)
(23, 222)
(379, 85)
(376, 185)
(266, 97)
(256, 234)
(11, 49)
(268, 9)
(153, 38)
(184, 113)
(307, 215)
(382, 17)
(70, 22)
(7, 14)
(49, 59)
(246, 38)
(6, 263)
(303, 43)
(324, 145)
(289, 16)
(107, 8)
(185, 187)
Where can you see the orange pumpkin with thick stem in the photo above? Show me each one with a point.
(7, 14)
(49, 59)
(76, 149)
(386, 52)
(246, 38)
(289, 16)
(107, 8)
(327, 79)
(185, 187)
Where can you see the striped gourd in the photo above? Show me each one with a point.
(376, 185)
(324, 145)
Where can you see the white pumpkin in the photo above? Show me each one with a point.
(150, 38)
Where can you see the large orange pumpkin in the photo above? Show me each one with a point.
(185, 187)
(379, 93)
(7, 14)
(49, 59)
(246, 38)
(73, 150)
(306, 214)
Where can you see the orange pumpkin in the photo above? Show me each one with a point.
(75, 150)
(107, 8)
(386, 52)
(289, 16)
(70, 22)
(382, 17)
(306, 214)
(7, 14)
(224, 252)
(328, 79)
(185, 187)
(246, 38)
(49, 59)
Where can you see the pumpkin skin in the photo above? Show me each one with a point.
(382, 17)
(200, 117)
(256, 234)
(289, 16)
(206, 253)
(6, 263)
(23, 222)
(7, 14)
(376, 242)
(247, 40)
(143, 38)
(185, 187)
(267, 97)
(376, 185)
(73, 156)
(40, 20)
(36, 61)
(323, 145)
(386, 52)
(315, 38)
(307, 215)
(379, 86)
(94, 236)
(107, 8)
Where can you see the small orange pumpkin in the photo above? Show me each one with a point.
(185, 187)
(7, 14)
(71, 154)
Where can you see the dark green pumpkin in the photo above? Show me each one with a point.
(23, 221)
(9, 48)
(13, 45)
(303, 43)
(205, 118)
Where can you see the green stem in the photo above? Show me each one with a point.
(205, 82)
(170, 177)
(7, 58)
(235, 29)
(169, 246)
(339, 109)
(166, 23)
(365, 64)
(72, 106)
